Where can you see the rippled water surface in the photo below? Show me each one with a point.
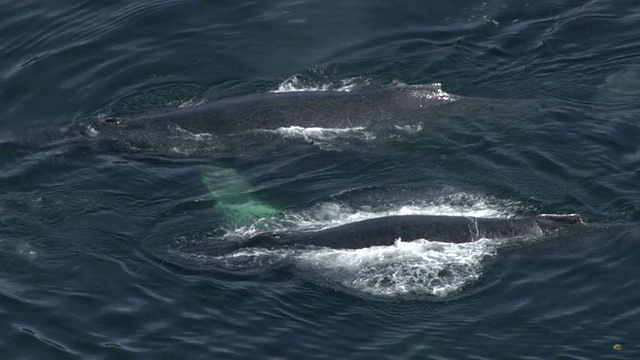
(92, 234)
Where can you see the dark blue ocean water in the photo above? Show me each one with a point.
(90, 237)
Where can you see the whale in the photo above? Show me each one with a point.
(253, 122)
(325, 109)
(386, 231)
(162, 130)
(256, 122)
(233, 123)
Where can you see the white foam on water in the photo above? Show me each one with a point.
(323, 137)
(90, 131)
(331, 214)
(189, 142)
(417, 268)
(191, 103)
(432, 92)
(325, 133)
(295, 83)
(410, 128)
(322, 134)
(20, 248)
(185, 134)
(27, 252)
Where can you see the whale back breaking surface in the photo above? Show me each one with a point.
(326, 109)
(386, 231)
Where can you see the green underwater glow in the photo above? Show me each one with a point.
(235, 197)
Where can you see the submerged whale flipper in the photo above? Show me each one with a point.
(386, 230)
(234, 197)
